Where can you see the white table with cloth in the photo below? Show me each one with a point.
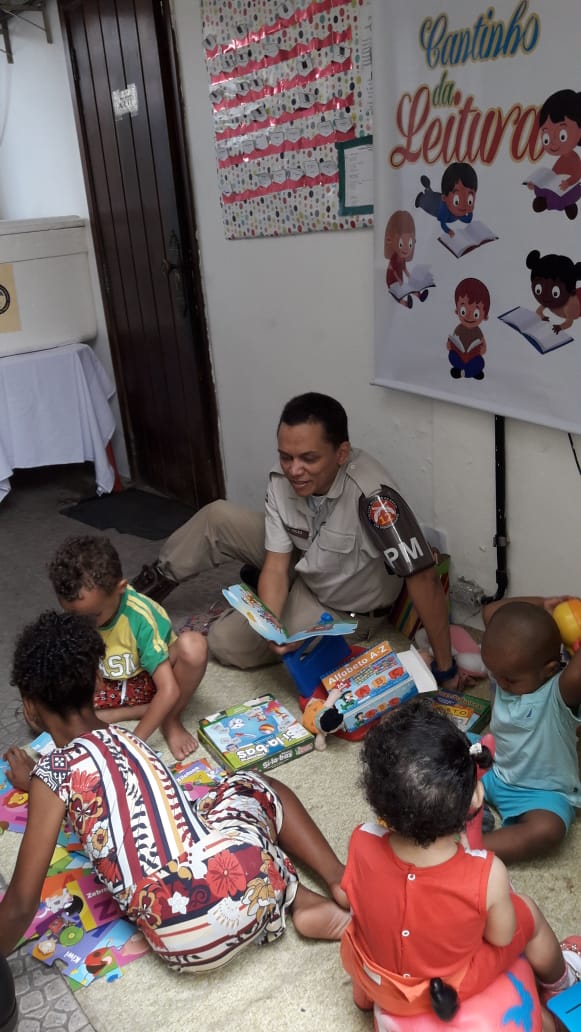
(54, 409)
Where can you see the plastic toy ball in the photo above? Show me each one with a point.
(567, 616)
(510, 1001)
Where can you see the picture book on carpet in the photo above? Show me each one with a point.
(79, 924)
(539, 332)
(469, 712)
(13, 801)
(197, 777)
(258, 734)
(375, 681)
(269, 626)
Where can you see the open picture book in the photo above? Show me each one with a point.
(545, 179)
(458, 345)
(420, 278)
(265, 623)
(467, 237)
(539, 332)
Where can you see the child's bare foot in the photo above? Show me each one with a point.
(317, 917)
(180, 741)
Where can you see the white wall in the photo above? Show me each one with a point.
(292, 314)
(40, 164)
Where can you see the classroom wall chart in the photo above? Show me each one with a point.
(291, 93)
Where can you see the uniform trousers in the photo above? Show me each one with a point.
(219, 533)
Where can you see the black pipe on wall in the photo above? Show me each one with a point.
(500, 538)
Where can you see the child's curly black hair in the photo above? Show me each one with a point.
(418, 773)
(84, 562)
(56, 659)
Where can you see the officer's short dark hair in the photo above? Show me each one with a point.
(318, 408)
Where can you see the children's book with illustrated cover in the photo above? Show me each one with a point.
(87, 954)
(79, 924)
(467, 237)
(197, 777)
(420, 278)
(469, 712)
(14, 802)
(258, 735)
(269, 626)
(539, 332)
(375, 681)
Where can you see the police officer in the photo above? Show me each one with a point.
(335, 536)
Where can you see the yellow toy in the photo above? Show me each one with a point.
(567, 616)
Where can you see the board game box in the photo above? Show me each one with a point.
(258, 735)
(375, 681)
(469, 712)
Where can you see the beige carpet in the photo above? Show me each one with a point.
(294, 983)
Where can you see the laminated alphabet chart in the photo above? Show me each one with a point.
(291, 93)
(477, 200)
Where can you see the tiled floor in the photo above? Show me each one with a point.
(31, 527)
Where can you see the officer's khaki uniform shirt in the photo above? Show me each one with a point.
(337, 559)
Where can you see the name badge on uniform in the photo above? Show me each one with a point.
(299, 532)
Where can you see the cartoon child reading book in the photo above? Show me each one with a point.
(560, 132)
(398, 248)
(466, 345)
(554, 279)
(456, 201)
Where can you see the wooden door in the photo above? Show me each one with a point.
(124, 72)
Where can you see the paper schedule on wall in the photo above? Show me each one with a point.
(290, 83)
(9, 311)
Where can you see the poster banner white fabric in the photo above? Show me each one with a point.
(478, 204)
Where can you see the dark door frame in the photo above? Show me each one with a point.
(175, 114)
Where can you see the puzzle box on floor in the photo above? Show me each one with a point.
(258, 734)
(375, 681)
(467, 711)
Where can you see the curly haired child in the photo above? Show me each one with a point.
(201, 881)
(148, 673)
(433, 923)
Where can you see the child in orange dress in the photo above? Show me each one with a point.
(433, 922)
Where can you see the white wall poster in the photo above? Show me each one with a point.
(478, 204)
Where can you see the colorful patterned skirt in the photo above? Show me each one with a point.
(231, 889)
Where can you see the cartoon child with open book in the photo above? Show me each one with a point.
(466, 345)
(455, 202)
(554, 279)
(398, 248)
(559, 189)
